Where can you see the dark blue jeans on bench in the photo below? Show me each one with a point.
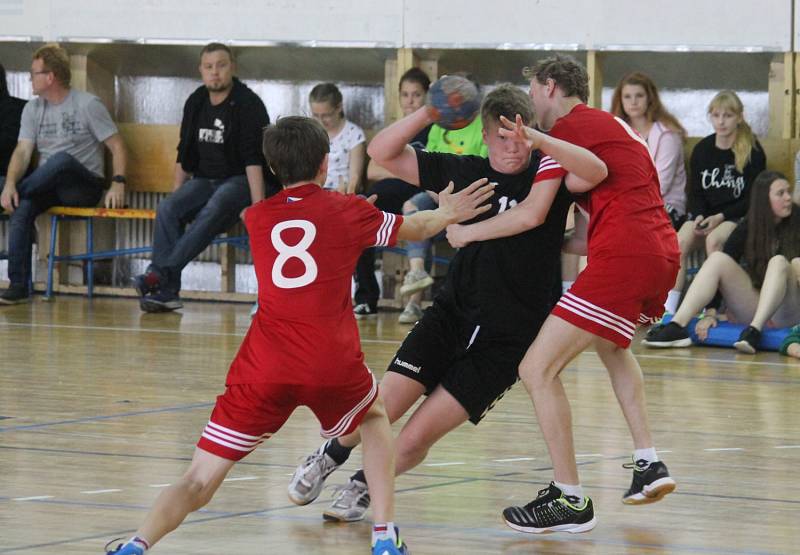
(61, 181)
(211, 205)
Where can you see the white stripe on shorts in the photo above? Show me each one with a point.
(347, 419)
(594, 313)
(231, 438)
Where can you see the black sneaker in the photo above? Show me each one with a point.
(669, 335)
(160, 302)
(748, 340)
(651, 482)
(551, 512)
(15, 294)
(363, 310)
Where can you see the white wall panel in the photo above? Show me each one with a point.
(325, 21)
(606, 24)
(23, 19)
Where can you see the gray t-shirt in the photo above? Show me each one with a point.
(77, 126)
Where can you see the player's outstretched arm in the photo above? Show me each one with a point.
(391, 150)
(529, 213)
(577, 160)
(453, 207)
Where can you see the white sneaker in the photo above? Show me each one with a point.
(411, 314)
(309, 477)
(363, 310)
(350, 504)
(415, 280)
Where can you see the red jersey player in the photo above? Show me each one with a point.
(633, 259)
(302, 347)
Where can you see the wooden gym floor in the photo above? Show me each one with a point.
(101, 406)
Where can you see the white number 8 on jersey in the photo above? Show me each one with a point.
(299, 251)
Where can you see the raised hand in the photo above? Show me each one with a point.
(519, 132)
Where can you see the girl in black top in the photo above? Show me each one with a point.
(756, 273)
(722, 168)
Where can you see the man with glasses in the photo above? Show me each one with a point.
(68, 129)
(219, 173)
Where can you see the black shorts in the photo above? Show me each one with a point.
(472, 366)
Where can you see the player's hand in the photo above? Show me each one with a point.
(703, 325)
(517, 131)
(704, 226)
(456, 236)
(9, 198)
(115, 196)
(468, 202)
(371, 199)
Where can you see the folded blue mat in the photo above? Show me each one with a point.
(726, 334)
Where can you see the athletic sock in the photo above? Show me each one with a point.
(383, 531)
(139, 542)
(359, 476)
(338, 452)
(574, 494)
(647, 455)
(673, 299)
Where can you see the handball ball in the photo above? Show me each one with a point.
(454, 101)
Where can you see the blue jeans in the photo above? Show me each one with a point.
(61, 181)
(420, 249)
(212, 205)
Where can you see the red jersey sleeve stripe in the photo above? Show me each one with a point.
(549, 169)
(385, 230)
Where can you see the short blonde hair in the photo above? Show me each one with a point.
(55, 59)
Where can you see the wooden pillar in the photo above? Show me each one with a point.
(594, 67)
(777, 88)
(789, 95)
(393, 70)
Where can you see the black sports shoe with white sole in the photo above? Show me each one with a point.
(651, 482)
(551, 511)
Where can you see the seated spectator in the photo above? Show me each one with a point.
(219, 173)
(68, 128)
(636, 101)
(391, 193)
(722, 168)
(348, 149)
(467, 141)
(756, 273)
(10, 114)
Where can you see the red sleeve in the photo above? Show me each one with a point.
(373, 227)
(549, 168)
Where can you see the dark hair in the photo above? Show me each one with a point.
(3, 84)
(55, 59)
(506, 100)
(416, 75)
(295, 147)
(565, 71)
(326, 92)
(655, 109)
(216, 47)
(765, 239)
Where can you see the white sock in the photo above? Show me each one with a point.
(572, 491)
(565, 285)
(673, 298)
(648, 455)
(139, 542)
(383, 531)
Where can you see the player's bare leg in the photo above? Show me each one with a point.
(439, 414)
(190, 493)
(379, 461)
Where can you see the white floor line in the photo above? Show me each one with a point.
(97, 491)
(787, 447)
(445, 464)
(589, 455)
(159, 485)
(35, 498)
(725, 449)
(242, 479)
(515, 459)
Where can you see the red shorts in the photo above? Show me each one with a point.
(613, 295)
(247, 414)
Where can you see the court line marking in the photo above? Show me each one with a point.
(515, 459)
(242, 479)
(455, 463)
(725, 449)
(372, 341)
(32, 498)
(99, 491)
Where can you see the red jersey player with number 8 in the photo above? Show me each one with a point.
(303, 347)
(633, 259)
